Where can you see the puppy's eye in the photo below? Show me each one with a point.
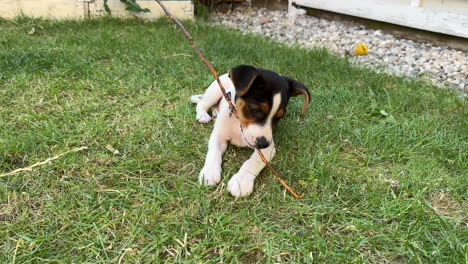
(256, 111)
(253, 109)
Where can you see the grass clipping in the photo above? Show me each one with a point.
(47, 161)
(231, 105)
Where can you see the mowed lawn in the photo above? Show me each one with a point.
(382, 160)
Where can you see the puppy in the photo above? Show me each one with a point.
(260, 97)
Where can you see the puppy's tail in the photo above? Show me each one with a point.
(196, 98)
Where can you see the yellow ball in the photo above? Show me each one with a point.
(361, 49)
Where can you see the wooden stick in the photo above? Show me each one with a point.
(200, 54)
(231, 105)
(277, 176)
(42, 162)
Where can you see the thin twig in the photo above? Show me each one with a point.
(200, 54)
(42, 162)
(278, 177)
(231, 105)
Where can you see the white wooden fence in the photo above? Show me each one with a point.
(442, 16)
(90, 8)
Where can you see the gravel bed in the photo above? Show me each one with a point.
(442, 65)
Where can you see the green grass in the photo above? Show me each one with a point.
(127, 84)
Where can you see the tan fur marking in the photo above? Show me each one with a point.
(297, 92)
(264, 108)
(245, 121)
(245, 116)
(280, 113)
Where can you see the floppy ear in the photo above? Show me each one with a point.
(296, 88)
(243, 76)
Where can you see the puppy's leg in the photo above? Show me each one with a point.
(210, 98)
(211, 172)
(241, 184)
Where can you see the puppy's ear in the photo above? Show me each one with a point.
(243, 76)
(296, 88)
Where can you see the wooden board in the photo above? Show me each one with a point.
(43, 8)
(180, 9)
(454, 22)
(76, 9)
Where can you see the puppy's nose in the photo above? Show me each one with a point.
(261, 142)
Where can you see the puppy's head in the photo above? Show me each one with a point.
(261, 100)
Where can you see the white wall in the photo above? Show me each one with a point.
(447, 16)
(90, 8)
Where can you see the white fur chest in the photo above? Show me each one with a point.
(226, 124)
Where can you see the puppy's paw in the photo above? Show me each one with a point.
(210, 176)
(203, 117)
(196, 98)
(241, 185)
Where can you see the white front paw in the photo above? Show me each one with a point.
(203, 117)
(210, 176)
(241, 184)
(196, 98)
